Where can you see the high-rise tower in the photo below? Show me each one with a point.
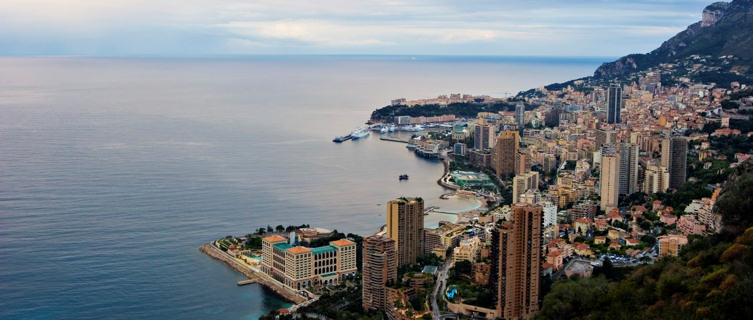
(674, 157)
(379, 269)
(614, 103)
(405, 225)
(504, 152)
(516, 263)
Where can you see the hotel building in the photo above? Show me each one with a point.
(300, 267)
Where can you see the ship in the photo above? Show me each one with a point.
(359, 133)
(403, 177)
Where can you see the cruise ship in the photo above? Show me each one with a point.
(359, 133)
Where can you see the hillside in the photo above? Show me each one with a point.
(711, 279)
(725, 29)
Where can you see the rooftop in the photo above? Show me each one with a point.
(323, 249)
(299, 250)
(282, 246)
(342, 242)
(274, 238)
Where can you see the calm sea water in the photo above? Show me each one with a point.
(114, 171)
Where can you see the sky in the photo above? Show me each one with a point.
(577, 28)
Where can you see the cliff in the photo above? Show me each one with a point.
(725, 29)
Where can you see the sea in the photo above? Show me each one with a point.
(113, 171)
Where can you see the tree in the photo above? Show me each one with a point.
(279, 228)
(463, 267)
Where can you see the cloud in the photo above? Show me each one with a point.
(578, 27)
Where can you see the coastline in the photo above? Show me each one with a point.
(253, 277)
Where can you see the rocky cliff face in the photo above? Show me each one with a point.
(725, 29)
(712, 13)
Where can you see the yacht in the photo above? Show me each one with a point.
(359, 133)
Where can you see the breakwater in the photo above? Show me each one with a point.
(289, 294)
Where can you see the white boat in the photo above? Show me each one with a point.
(384, 130)
(391, 128)
(359, 133)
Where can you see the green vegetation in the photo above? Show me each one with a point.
(468, 292)
(711, 278)
(460, 109)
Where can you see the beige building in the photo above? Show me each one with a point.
(467, 250)
(610, 180)
(503, 157)
(438, 240)
(656, 179)
(522, 183)
(379, 268)
(516, 263)
(300, 267)
(405, 225)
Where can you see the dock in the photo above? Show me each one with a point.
(393, 139)
(245, 282)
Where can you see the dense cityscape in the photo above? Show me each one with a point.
(595, 178)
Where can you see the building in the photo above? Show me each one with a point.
(656, 180)
(405, 225)
(459, 149)
(504, 153)
(522, 183)
(522, 163)
(483, 137)
(520, 115)
(445, 236)
(516, 263)
(480, 158)
(550, 214)
(674, 157)
(628, 168)
(467, 250)
(379, 269)
(614, 104)
(670, 245)
(609, 179)
(605, 137)
(301, 267)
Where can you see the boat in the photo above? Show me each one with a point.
(384, 130)
(391, 128)
(403, 177)
(359, 133)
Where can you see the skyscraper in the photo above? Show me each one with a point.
(516, 263)
(405, 225)
(674, 157)
(610, 173)
(483, 137)
(614, 104)
(520, 115)
(504, 152)
(379, 268)
(628, 168)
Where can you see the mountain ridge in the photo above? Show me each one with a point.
(725, 29)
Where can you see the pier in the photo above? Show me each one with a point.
(394, 139)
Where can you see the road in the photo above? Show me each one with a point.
(441, 283)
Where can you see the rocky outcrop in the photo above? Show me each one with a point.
(712, 13)
(725, 29)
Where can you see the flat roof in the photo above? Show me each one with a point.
(429, 269)
(282, 246)
(323, 249)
